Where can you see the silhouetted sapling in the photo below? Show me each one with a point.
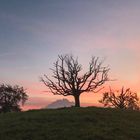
(123, 99)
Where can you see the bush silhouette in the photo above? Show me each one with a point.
(11, 98)
(123, 99)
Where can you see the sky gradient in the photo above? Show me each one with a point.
(34, 32)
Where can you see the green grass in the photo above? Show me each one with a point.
(71, 124)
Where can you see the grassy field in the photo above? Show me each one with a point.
(71, 124)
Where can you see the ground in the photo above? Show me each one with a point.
(89, 123)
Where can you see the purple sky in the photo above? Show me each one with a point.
(34, 32)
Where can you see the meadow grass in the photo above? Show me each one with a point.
(89, 123)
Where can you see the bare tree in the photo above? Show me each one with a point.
(68, 79)
(124, 99)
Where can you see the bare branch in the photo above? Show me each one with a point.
(123, 99)
(67, 78)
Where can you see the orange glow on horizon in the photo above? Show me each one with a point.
(39, 100)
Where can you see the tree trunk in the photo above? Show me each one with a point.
(77, 100)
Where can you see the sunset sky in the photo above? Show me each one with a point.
(34, 32)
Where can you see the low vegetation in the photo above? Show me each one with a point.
(123, 99)
(71, 124)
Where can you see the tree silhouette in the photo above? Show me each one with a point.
(11, 98)
(124, 99)
(68, 79)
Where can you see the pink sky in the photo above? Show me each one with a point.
(31, 39)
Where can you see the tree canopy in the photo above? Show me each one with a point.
(11, 97)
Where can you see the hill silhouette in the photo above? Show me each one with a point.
(71, 124)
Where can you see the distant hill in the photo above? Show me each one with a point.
(89, 123)
(60, 104)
